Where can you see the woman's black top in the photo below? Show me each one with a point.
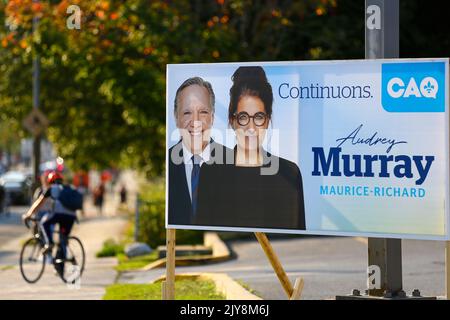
(232, 196)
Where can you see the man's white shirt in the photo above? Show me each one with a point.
(188, 165)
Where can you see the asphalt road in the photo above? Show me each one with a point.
(330, 266)
(11, 227)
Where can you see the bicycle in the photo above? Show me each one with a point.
(67, 256)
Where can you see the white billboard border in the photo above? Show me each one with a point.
(445, 237)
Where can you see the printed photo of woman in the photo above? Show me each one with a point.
(242, 193)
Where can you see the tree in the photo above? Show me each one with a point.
(103, 85)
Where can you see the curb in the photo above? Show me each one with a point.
(224, 285)
(220, 252)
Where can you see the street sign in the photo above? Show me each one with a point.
(36, 122)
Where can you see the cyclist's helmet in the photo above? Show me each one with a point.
(54, 177)
(45, 174)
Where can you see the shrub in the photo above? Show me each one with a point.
(152, 228)
(110, 249)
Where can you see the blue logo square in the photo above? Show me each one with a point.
(413, 87)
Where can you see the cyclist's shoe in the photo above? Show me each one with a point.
(59, 262)
(59, 266)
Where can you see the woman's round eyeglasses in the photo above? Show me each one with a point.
(243, 118)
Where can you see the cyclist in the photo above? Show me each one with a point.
(58, 214)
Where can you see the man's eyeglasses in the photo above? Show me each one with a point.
(243, 118)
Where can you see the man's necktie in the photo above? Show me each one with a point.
(194, 181)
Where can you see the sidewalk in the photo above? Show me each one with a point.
(98, 274)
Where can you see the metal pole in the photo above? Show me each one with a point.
(382, 41)
(36, 93)
(382, 29)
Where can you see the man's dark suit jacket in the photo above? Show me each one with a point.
(233, 196)
(180, 205)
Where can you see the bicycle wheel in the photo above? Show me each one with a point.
(72, 267)
(32, 260)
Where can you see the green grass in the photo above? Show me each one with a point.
(126, 263)
(184, 290)
(4, 268)
(247, 287)
(113, 249)
(110, 249)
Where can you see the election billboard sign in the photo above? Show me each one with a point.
(351, 148)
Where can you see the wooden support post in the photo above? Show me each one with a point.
(277, 267)
(169, 284)
(447, 269)
(298, 288)
(163, 290)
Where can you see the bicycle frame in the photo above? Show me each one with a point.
(59, 257)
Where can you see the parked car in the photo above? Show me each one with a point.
(17, 186)
(3, 207)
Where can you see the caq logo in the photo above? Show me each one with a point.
(428, 88)
(413, 87)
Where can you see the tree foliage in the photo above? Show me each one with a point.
(102, 87)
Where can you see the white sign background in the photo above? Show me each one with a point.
(306, 123)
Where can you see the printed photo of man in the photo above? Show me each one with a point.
(194, 117)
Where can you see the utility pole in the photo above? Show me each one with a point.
(36, 93)
(382, 41)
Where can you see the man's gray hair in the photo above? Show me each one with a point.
(199, 82)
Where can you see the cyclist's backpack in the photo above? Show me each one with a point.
(71, 198)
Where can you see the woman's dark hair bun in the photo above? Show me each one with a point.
(249, 74)
(251, 81)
